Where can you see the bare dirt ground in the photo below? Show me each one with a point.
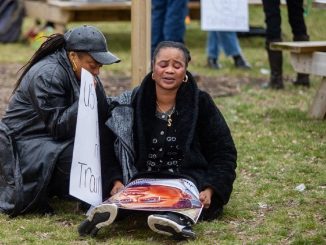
(114, 85)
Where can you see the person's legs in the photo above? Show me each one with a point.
(174, 25)
(59, 183)
(171, 224)
(212, 49)
(212, 45)
(231, 46)
(229, 43)
(296, 18)
(299, 30)
(272, 19)
(273, 33)
(275, 59)
(158, 15)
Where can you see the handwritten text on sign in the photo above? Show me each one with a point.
(224, 15)
(85, 175)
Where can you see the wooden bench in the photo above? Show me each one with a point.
(63, 12)
(310, 58)
(138, 12)
(319, 4)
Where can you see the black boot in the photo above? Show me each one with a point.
(212, 63)
(301, 38)
(275, 60)
(46, 209)
(240, 62)
(302, 80)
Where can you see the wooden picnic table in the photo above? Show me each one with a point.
(310, 58)
(138, 11)
(319, 4)
(63, 12)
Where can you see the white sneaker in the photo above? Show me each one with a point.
(100, 216)
(172, 225)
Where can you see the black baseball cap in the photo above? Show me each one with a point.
(91, 40)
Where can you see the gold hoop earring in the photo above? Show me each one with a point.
(74, 66)
(185, 79)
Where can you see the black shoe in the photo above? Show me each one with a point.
(82, 206)
(302, 80)
(240, 62)
(276, 82)
(212, 63)
(172, 225)
(275, 86)
(100, 216)
(47, 210)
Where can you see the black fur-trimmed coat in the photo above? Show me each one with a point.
(203, 135)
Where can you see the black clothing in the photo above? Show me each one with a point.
(59, 183)
(202, 133)
(164, 151)
(42, 117)
(273, 18)
(274, 34)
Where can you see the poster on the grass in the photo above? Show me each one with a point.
(224, 15)
(85, 174)
(174, 195)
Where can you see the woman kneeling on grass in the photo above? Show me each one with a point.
(184, 152)
(37, 132)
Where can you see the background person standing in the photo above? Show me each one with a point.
(274, 34)
(168, 21)
(228, 41)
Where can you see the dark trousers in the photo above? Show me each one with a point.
(273, 19)
(59, 184)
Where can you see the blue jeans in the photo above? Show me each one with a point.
(168, 21)
(226, 40)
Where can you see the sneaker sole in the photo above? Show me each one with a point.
(167, 227)
(99, 217)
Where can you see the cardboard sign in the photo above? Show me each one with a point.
(85, 175)
(224, 15)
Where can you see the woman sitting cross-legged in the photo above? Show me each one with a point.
(178, 135)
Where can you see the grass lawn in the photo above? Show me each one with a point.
(279, 147)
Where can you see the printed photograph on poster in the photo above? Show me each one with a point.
(175, 195)
(224, 15)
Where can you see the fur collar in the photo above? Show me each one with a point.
(185, 116)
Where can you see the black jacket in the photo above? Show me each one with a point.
(209, 151)
(41, 118)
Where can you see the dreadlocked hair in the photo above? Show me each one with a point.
(53, 43)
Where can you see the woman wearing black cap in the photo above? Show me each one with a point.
(37, 131)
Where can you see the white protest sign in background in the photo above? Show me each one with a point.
(85, 174)
(224, 15)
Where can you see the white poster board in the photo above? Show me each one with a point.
(224, 15)
(85, 174)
